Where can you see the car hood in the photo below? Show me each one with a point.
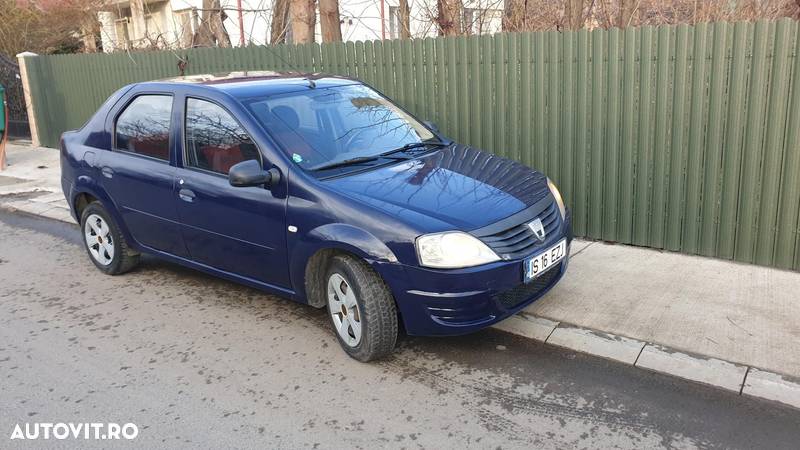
(461, 186)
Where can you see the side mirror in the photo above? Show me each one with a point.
(250, 173)
(432, 126)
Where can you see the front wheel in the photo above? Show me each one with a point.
(361, 308)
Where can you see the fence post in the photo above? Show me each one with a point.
(23, 59)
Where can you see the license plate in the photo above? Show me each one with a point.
(537, 265)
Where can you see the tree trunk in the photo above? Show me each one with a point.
(280, 22)
(204, 37)
(303, 18)
(211, 31)
(626, 10)
(405, 19)
(449, 18)
(573, 14)
(514, 15)
(329, 21)
(217, 24)
(89, 37)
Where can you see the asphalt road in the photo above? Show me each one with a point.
(195, 361)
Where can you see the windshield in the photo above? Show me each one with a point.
(322, 126)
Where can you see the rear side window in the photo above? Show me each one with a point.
(143, 127)
(214, 140)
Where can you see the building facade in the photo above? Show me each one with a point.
(132, 24)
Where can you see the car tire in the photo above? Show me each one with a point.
(105, 244)
(361, 309)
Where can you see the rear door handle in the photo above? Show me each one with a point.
(186, 195)
(107, 172)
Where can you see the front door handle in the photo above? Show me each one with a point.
(186, 195)
(107, 172)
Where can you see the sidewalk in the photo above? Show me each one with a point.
(730, 325)
(740, 313)
(727, 324)
(32, 182)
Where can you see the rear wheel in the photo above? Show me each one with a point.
(361, 308)
(106, 246)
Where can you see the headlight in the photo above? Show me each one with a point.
(559, 200)
(452, 250)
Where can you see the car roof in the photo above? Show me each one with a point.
(255, 83)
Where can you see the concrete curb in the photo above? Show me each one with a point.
(50, 205)
(605, 345)
(710, 371)
(741, 379)
(772, 386)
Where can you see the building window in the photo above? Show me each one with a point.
(150, 26)
(481, 20)
(470, 14)
(122, 31)
(394, 22)
(186, 20)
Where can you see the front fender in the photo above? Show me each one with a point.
(335, 236)
(87, 185)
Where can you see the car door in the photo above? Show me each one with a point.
(138, 174)
(236, 229)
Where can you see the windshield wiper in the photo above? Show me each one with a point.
(346, 162)
(366, 159)
(413, 145)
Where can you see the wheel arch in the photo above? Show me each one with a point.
(87, 190)
(81, 201)
(310, 257)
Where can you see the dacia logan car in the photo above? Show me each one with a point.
(319, 189)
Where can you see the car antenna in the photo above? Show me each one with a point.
(311, 82)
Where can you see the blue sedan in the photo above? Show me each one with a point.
(319, 189)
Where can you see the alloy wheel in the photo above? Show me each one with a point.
(344, 310)
(99, 239)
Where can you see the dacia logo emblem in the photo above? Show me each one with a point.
(537, 228)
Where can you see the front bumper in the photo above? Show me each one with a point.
(452, 302)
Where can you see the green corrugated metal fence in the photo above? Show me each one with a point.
(682, 138)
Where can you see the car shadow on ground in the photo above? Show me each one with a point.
(239, 294)
(258, 303)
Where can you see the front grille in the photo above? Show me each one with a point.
(515, 239)
(526, 291)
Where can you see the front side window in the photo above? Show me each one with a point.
(317, 127)
(143, 127)
(214, 140)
